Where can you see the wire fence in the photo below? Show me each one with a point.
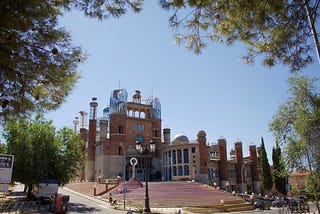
(289, 210)
(18, 207)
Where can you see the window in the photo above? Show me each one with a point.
(193, 149)
(186, 170)
(169, 157)
(174, 161)
(179, 156)
(174, 171)
(214, 154)
(120, 129)
(179, 170)
(120, 151)
(156, 133)
(138, 127)
(186, 156)
(215, 173)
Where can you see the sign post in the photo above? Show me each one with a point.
(6, 165)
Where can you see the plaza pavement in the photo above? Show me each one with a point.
(189, 197)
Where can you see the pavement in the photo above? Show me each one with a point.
(165, 197)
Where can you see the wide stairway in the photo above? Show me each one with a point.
(195, 196)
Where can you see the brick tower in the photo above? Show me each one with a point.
(167, 136)
(90, 172)
(130, 122)
(223, 164)
(202, 140)
(239, 161)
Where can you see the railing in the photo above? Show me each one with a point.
(18, 207)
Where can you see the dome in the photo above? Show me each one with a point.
(202, 133)
(180, 138)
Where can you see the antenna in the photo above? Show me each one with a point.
(119, 84)
(152, 93)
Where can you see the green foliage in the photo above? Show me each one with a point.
(70, 153)
(41, 152)
(280, 174)
(3, 148)
(38, 62)
(297, 125)
(313, 184)
(278, 31)
(266, 177)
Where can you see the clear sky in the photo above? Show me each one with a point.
(214, 91)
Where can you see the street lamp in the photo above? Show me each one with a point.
(242, 174)
(76, 123)
(124, 177)
(145, 151)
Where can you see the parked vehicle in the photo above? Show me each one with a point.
(261, 204)
(298, 205)
(279, 203)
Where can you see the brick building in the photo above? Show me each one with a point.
(111, 141)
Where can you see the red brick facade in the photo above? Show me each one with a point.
(223, 164)
(239, 160)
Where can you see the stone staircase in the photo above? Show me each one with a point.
(191, 196)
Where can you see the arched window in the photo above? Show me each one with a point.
(179, 156)
(180, 170)
(174, 171)
(186, 170)
(174, 161)
(186, 156)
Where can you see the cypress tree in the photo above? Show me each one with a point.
(265, 168)
(279, 173)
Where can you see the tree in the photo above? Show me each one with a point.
(38, 62)
(279, 172)
(3, 148)
(266, 177)
(279, 31)
(70, 157)
(297, 126)
(40, 152)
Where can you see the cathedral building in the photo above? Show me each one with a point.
(111, 140)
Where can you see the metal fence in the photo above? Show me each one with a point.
(18, 207)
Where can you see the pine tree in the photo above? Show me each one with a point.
(279, 173)
(38, 62)
(278, 31)
(265, 168)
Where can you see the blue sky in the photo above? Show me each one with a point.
(214, 91)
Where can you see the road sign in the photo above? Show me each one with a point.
(6, 165)
(288, 187)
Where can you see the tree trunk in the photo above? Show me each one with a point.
(313, 28)
(29, 194)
